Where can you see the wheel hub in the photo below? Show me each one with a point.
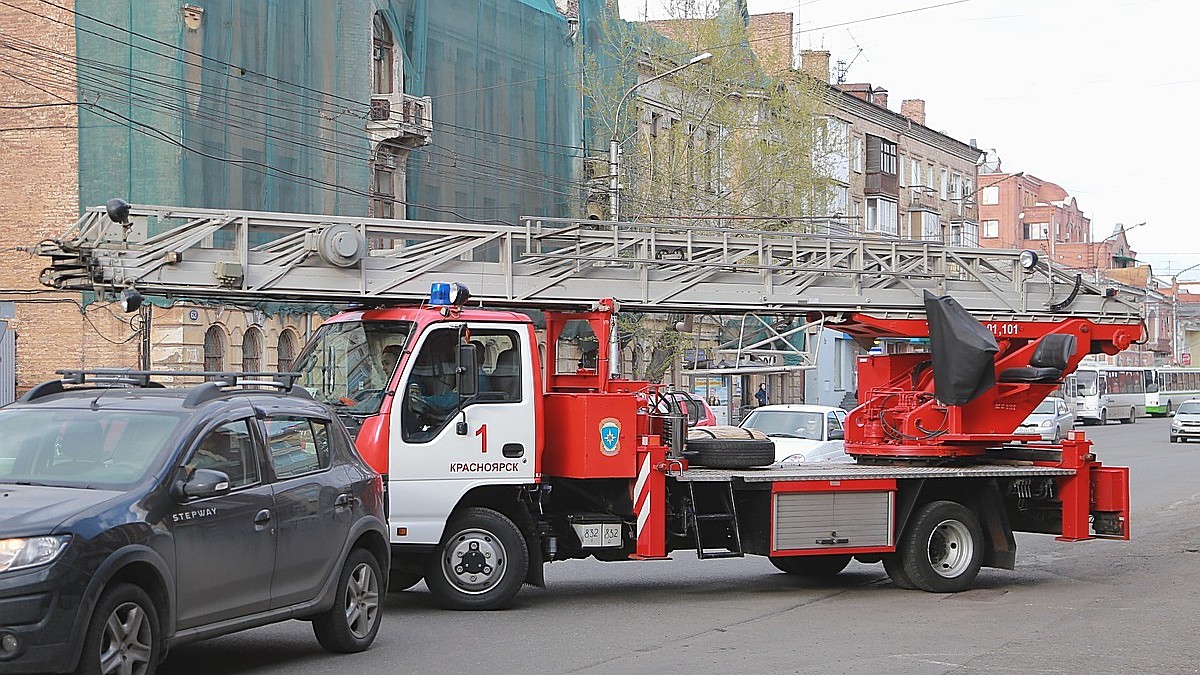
(474, 563)
(950, 548)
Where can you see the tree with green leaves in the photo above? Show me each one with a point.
(723, 144)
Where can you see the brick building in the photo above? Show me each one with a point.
(1022, 211)
(903, 179)
(39, 163)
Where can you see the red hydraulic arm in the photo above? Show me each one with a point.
(899, 417)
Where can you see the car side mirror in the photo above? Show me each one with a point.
(837, 434)
(202, 483)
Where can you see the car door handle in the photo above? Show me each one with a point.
(262, 517)
(513, 450)
(343, 501)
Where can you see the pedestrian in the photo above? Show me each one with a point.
(761, 394)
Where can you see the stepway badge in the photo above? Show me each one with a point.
(610, 436)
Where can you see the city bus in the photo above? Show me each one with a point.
(1175, 385)
(1106, 393)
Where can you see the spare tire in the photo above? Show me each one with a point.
(728, 453)
(725, 432)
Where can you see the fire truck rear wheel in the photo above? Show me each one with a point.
(811, 565)
(942, 549)
(481, 562)
(894, 567)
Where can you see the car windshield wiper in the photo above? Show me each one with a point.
(782, 435)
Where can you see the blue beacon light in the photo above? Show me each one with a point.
(439, 294)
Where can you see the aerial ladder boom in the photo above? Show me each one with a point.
(867, 288)
(548, 262)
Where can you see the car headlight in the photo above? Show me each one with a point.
(25, 552)
(1175, 424)
(1047, 423)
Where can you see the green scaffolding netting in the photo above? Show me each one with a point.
(263, 104)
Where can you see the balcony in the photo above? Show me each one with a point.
(401, 118)
(882, 184)
(922, 199)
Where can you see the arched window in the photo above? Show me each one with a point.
(287, 350)
(214, 349)
(252, 350)
(383, 56)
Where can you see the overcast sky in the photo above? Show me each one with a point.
(1099, 96)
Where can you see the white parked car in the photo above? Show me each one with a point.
(1186, 423)
(1053, 419)
(802, 433)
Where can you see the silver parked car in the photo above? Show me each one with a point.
(1186, 423)
(1052, 419)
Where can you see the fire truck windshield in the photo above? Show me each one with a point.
(349, 364)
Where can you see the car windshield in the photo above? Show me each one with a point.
(1046, 407)
(71, 447)
(786, 423)
(1189, 408)
(349, 364)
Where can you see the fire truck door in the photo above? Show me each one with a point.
(444, 444)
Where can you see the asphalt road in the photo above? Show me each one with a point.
(1096, 607)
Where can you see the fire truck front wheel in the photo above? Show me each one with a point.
(942, 549)
(481, 562)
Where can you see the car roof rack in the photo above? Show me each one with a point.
(220, 382)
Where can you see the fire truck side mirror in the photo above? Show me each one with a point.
(467, 372)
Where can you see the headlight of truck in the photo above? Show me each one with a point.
(24, 552)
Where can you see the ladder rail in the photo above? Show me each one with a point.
(553, 262)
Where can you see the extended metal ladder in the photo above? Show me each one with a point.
(544, 263)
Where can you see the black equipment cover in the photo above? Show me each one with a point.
(964, 352)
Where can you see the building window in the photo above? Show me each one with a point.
(858, 155)
(914, 175)
(964, 234)
(944, 184)
(252, 351)
(1036, 230)
(214, 349)
(881, 216)
(990, 195)
(931, 227)
(383, 56)
(990, 229)
(286, 352)
(383, 181)
(887, 157)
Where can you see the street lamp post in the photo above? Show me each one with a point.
(614, 145)
(1175, 311)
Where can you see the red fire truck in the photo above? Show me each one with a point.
(501, 455)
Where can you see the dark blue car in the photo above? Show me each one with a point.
(134, 517)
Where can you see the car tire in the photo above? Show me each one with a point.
(123, 634)
(353, 621)
(728, 453)
(942, 549)
(497, 568)
(402, 581)
(1174, 439)
(1103, 417)
(811, 565)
